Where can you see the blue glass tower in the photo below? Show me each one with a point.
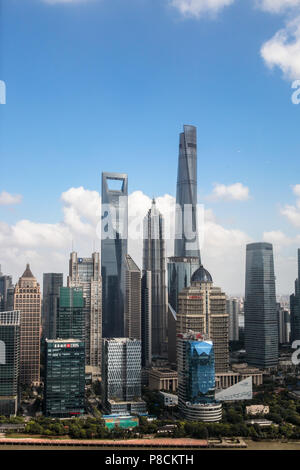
(113, 252)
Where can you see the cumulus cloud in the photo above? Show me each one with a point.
(277, 6)
(233, 192)
(292, 212)
(7, 199)
(197, 8)
(283, 50)
(47, 246)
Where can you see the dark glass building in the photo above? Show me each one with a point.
(186, 234)
(52, 282)
(9, 361)
(133, 301)
(180, 271)
(70, 314)
(64, 378)
(154, 261)
(5, 285)
(261, 321)
(113, 251)
(295, 307)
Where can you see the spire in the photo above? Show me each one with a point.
(27, 273)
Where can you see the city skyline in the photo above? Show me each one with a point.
(108, 110)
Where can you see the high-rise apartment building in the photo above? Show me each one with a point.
(70, 314)
(64, 393)
(121, 376)
(133, 300)
(186, 229)
(27, 299)
(196, 378)
(202, 308)
(233, 310)
(5, 285)
(84, 273)
(114, 212)
(52, 282)
(261, 322)
(154, 261)
(9, 362)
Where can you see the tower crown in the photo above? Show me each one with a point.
(201, 275)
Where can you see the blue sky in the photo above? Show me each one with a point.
(106, 85)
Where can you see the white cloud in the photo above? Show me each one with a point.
(292, 213)
(283, 50)
(198, 8)
(7, 199)
(233, 192)
(277, 6)
(277, 237)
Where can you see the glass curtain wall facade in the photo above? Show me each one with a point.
(70, 314)
(113, 251)
(180, 271)
(84, 273)
(52, 282)
(64, 393)
(133, 303)
(261, 322)
(9, 361)
(154, 261)
(5, 285)
(186, 233)
(295, 307)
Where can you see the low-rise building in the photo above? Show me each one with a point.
(257, 410)
(163, 379)
(168, 399)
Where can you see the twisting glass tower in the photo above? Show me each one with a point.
(155, 262)
(186, 235)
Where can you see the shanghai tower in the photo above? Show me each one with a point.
(186, 235)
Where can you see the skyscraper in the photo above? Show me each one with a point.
(295, 307)
(9, 362)
(132, 300)
(233, 309)
(113, 251)
(121, 376)
(146, 319)
(196, 378)
(70, 314)
(52, 282)
(186, 234)
(261, 322)
(202, 308)
(154, 261)
(284, 325)
(84, 273)
(5, 284)
(64, 394)
(27, 299)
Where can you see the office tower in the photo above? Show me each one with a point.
(284, 325)
(186, 234)
(261, 323)
(233, 310)
(196, 378)
(52, 282)
(154, 261)
(295, 307)
(64, 378)
(121, 376)
(114, 212)
(84, 273)
(180, 271)
(27, 299)
(5, 284)
(146, 319)
(70, 314)
(202, 308)
(9, 362)
(133, 300)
